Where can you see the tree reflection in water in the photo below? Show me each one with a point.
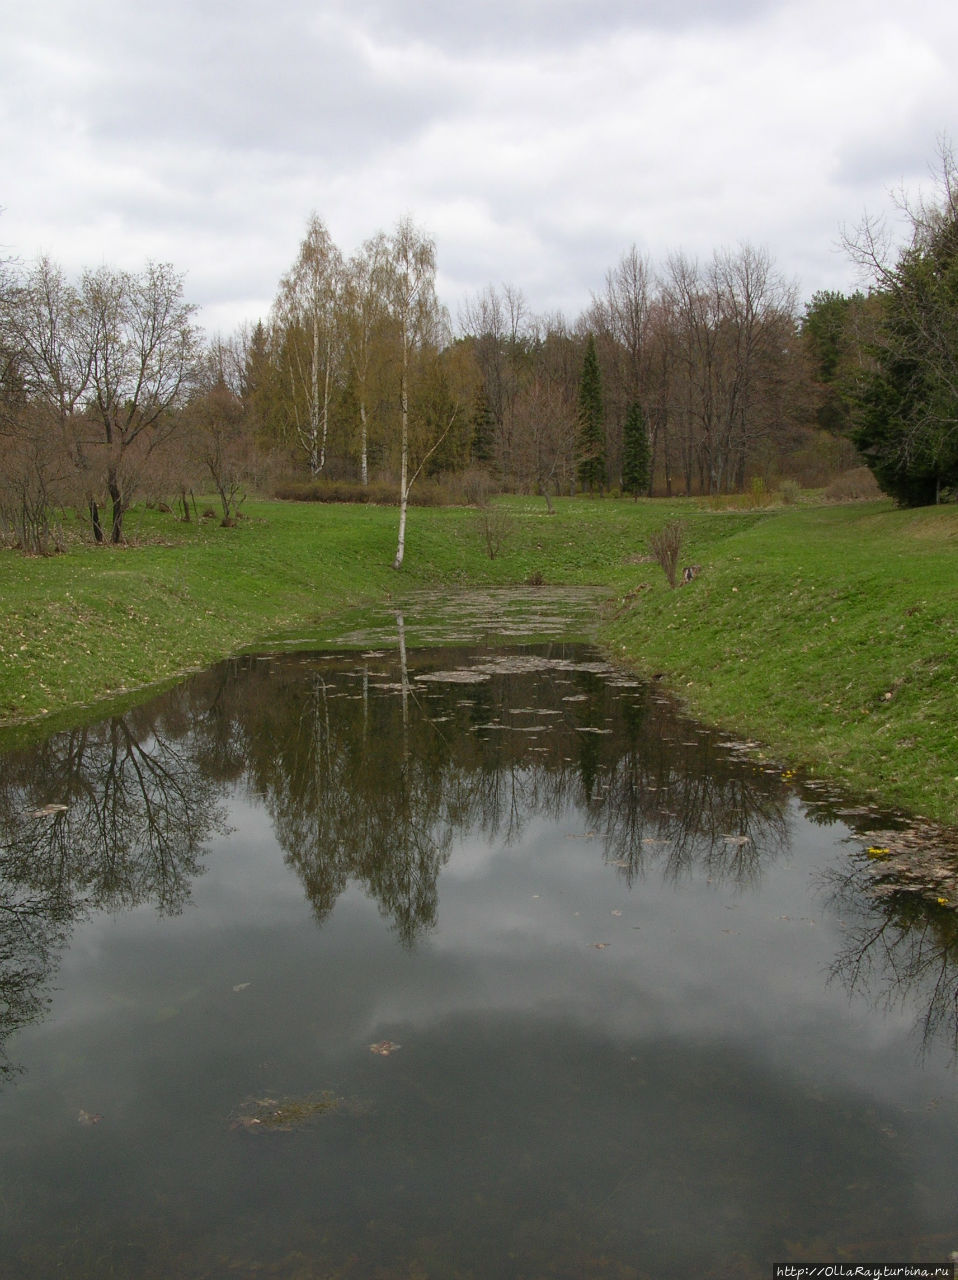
(371, 778)
(105, 817)
(371, 768)
(901, 949)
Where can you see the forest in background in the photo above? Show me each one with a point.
(681, 378)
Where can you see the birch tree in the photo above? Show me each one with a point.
(306, 316)
(417, 322)
(365, 304)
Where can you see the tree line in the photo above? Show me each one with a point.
(689, 377)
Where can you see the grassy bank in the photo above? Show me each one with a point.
(828, 633)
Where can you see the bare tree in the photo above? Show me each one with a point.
(142, 345)
(504, 334)
(732, 329)
(620, 319)
(220, 443)
(46, 372)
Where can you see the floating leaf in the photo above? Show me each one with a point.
(88, 1118)
(601, 946)
(384, 1048)
(283, 1115)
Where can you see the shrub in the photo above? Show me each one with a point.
(427, 493)
(666, 544)
(858, 485)
(495, 527)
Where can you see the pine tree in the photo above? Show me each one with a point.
(636, 453)
(591, 440)
(483, 429)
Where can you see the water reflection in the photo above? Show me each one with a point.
(690, 1099)
(900, 949)
(371, 769)
(107, 817)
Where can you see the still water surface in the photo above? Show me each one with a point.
(472, 964)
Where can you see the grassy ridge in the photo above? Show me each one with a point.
(829, 633)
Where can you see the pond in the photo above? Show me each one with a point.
(456, 962)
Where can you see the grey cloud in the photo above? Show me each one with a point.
(504, 26)
(285, 80)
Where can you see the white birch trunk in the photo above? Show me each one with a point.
(315, 457)
(363, 460)
(404, 472)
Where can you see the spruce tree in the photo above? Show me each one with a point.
(636, 453)
(483, 429)
(591, 441)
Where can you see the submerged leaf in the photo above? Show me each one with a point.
(384, 1048)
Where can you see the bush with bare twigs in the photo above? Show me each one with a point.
(666, 545)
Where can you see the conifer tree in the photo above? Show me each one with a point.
(483, 428)
(591, 440)
(636, 453)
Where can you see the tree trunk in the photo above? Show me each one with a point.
(315, 459)
(404, 679)
(95, 521)
(116, 496)
(403, 502)
(363, 459)
(404, 472)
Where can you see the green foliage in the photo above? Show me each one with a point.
(591, 440)
(825, 332)
(908, 422)
(636, 452)
(831, 342)
(482, 445)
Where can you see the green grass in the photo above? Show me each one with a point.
(800, 625)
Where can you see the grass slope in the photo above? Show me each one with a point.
(829, 633)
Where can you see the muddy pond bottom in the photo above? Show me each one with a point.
(455, 964)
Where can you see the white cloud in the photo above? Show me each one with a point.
(535, 141)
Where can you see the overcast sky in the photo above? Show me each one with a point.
(535, 140)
